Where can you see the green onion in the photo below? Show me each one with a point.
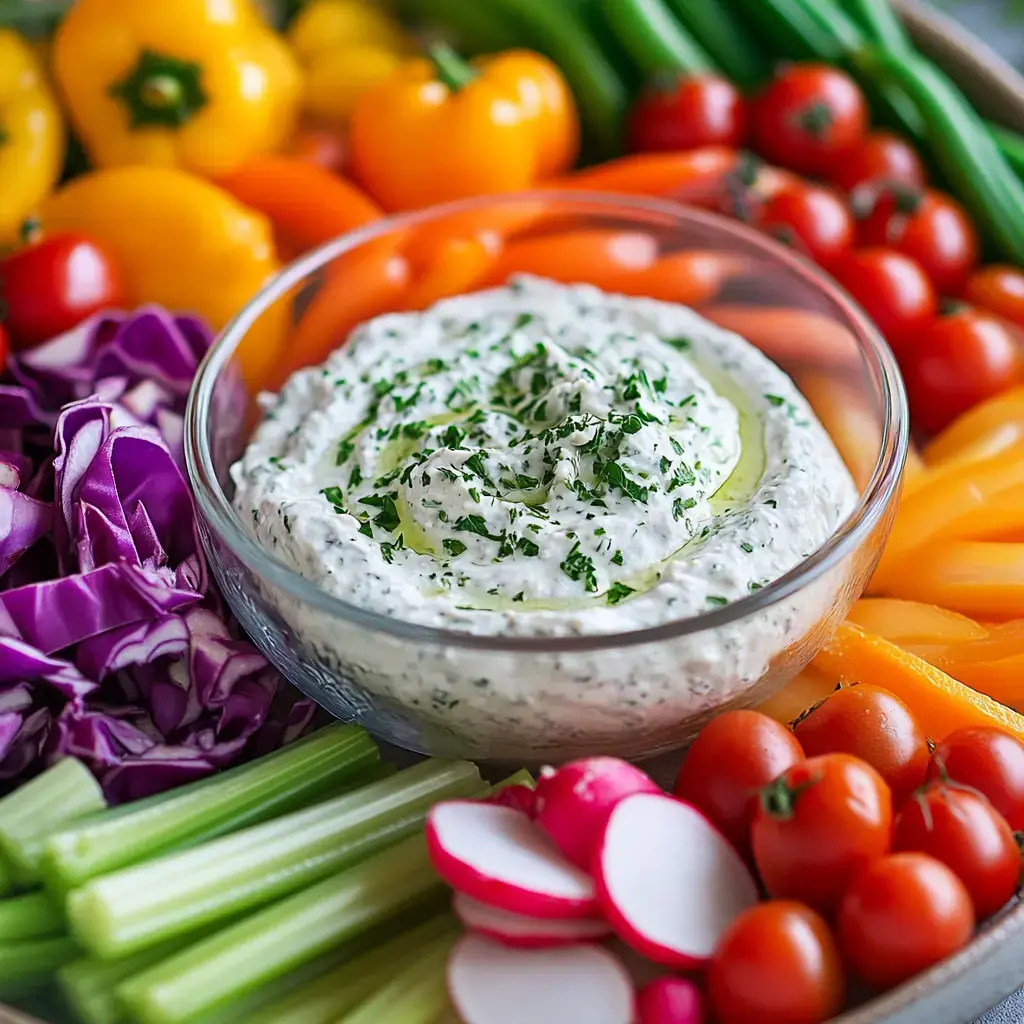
(31, 916)
(128, 910)
(282, 937)
(60, 794)
(416, 994)
(241, 796)
(28, 964)
(341, 990)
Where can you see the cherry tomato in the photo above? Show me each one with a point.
(816, 824)
(956, 362)
(969, 836)
(989, 760)
(879, 157)
(926, 225)
(998, 289)
(776, 964)
(52, 286)
(894, 291)
(808, 117)
(874, 725)
(688, 113)
(734, 756)
(812, 219)
(901, 914)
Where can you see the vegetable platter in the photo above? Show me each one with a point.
(181, 840)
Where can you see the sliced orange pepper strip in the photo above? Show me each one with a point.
(938, 701)
(905, 622)
(1002, 679)
(800, 693)
(914, 471)
(306, 204)
(689, 277)
(455, 268)
(987, 429)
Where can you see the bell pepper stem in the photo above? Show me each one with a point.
(450, 68)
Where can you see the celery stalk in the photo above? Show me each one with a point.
(89, 985)
(123, 912)
(6, 876)
(57, 796)
(282, 937)
(26, 964)
(519, 778)
(31, 916)
(243, 796)
(341, 990)
(414, 995)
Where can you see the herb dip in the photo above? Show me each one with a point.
(544, 460)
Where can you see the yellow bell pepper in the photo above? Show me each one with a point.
(31, 134)
(199, 84)
(181, 242)
(344, 46)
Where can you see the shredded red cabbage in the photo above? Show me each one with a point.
(114, 647)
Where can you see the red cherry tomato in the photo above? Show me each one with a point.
(776, 964)
(808, 117)
(54, 285)
(688, 113)
(969, 836)
(816, 824)
(988, 760)
(874, 725)
(813, 220)
(733, 757)
(902, 914)
(998, 289)
(926, 225)
(956, 362)
(879, 157)
(894, 291)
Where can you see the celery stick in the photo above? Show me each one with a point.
(519, 778)
(89, 985)
(57, 796)
(29, 917)
(283, 936)
(26, 964)
(414, 995)
(6, 876)
(250, 793)
(324, 1000)
(127, 910)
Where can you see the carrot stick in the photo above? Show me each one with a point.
(939, 702)
(987, 429)
(457, 267)
(905, 622)
(307, 204)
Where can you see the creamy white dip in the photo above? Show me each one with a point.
(543, 460)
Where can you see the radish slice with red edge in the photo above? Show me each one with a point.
(526, 932)
(492, 984)
(498, 856)
(518, 797)
(670, 1000)
(669, 882)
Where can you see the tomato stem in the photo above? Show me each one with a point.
(450, 68)
(778, 798)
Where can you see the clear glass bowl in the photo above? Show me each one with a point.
(548, 699)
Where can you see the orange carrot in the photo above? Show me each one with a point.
(455, 268)
(939, 702)
(984, 431)
(691, 277)
(306, 203)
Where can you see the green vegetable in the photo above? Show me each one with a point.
(6, 876)
(1010, 144)
(474, 28)
(241, 796)
(325, 999)
(282, 937)
(654, 39)
(715, 26)
(416, 994)
(554, 30)
(879, 23)
(60, 794)
(29, 917)
(962, 146)
(127, 910)
(28, 964)
(792, 31)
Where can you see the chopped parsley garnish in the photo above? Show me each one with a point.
(453, 546)
(665, 464)
(578, 566)
(388, 518)
(746, 546)
(775, 400)
(718, 601)
(334, 496)
(474, 524)
(772, 502)
(518, 596)
(522, 320)
(345, 450)
(617, 591)
(475, 464)
(528, 547)
(681, 344)
(355, 478)
(617, 558)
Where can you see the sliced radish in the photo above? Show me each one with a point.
(518, 797)
(526, 932)
(498, 856)
(670, 1001)
(669, 882)
(492, 984)
(573, 802)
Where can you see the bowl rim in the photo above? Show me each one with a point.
(217, 510)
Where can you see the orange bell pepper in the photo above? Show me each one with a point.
(307, 205)
(912, 622)
(985, 430)
(441, 129)
(803, 691)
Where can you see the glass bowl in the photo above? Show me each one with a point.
(527, 699)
